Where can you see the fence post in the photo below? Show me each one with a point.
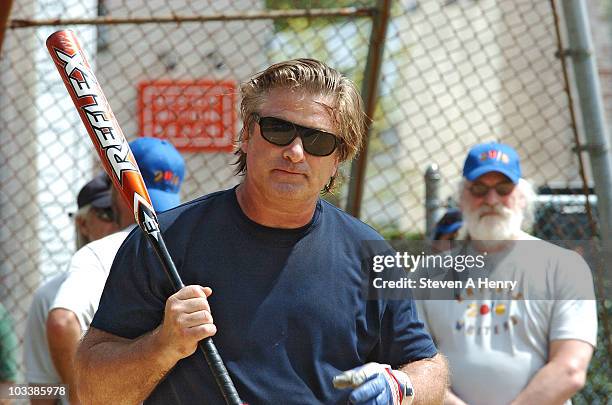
(432, 197)
(5, 12)
(369, 92)
(594, 124)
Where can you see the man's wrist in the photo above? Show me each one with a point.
(166, 356)
(405, 384)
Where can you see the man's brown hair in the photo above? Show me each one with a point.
(311, 77)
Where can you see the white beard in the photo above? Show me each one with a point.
(505, 224)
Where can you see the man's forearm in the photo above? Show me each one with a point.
(551, 385)
(44, 402)
(115, 370)
(120, 371)
(63, 335)
(452, 399)
(429, 379)
(561, 377)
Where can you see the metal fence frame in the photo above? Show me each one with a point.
(579, 52)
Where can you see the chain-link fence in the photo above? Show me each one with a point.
(453, 73)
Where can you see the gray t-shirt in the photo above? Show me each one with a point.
(496, 341)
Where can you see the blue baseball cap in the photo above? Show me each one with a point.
(492, 157)
(450, 222)
(162, 168)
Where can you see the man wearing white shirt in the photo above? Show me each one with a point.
(77, 300)
(93, 220)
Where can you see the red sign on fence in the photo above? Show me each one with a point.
(195, 116)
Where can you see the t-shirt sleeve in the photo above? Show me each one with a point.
(403, 336)
(36, 358)
(81, 290)
(575, 311)
(135, 293)
(421, 309)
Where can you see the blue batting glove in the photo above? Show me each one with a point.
(376, 384)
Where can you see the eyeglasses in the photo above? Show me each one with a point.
(281, 133)
(104, 214)
(481, 190)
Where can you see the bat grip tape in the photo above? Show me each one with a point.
(220, 372)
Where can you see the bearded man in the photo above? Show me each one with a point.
(528, 345)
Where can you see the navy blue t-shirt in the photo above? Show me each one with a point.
(289, 305)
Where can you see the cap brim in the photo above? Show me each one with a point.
(481, 170)
(163, 200)
(444, 229)
(104, 201)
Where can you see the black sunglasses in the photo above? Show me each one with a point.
(481, 190)
(281, 133)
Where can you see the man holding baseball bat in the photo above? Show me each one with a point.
(291, 319)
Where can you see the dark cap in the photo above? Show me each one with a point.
(97, 193)
(450, 222)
